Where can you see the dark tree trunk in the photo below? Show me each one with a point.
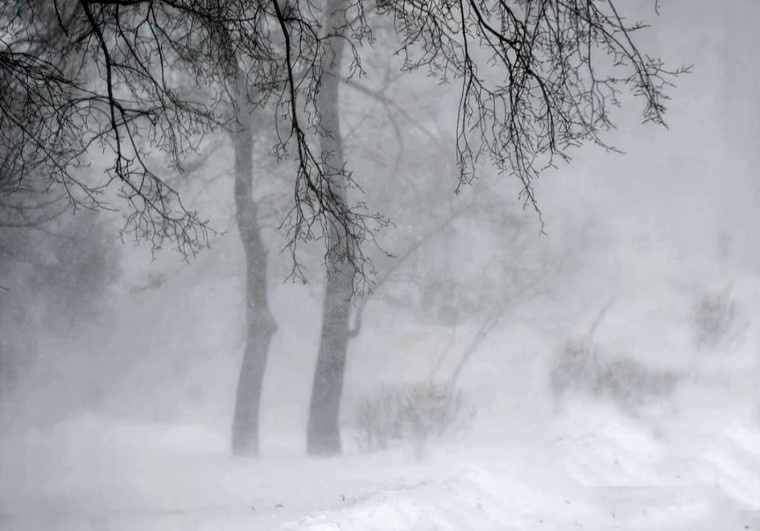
(260, 325)
(323, 437)
(327, 389)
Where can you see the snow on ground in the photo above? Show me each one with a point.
(690, 465)
(93, 473)
(605, 471)
(602, 470)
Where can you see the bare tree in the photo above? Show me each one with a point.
(323, 437)
(537, 78)
(147, 77)
(140, 77)
(57, 276)
(260, 324)
(80, 75)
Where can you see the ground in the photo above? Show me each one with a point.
(692, 463)
(594, 468)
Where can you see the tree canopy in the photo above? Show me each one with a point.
(140, 78)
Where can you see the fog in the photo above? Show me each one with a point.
(120, 364)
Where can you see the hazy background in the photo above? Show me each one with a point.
(121, 332)
(96, 328)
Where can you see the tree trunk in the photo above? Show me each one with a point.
(323, 437)
(260, 325)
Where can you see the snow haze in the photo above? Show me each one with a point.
(121, 366)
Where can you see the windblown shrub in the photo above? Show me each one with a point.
(410, 413)
(713, 316)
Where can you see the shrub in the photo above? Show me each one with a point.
(409, 413)
(713, 316)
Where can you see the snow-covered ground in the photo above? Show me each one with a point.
(693, 464)
(593, 467)
(604, 471)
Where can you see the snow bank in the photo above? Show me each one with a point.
(492, 498)
(620, 476)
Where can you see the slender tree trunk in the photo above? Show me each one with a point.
(323, 437)
(6, 375)
(260, 325)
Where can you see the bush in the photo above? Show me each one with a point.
(411, 413)
(580, 369)
(713, 316)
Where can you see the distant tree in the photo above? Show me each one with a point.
(58, 278)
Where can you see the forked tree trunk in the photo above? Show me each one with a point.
(323, 437)
(260, 325)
